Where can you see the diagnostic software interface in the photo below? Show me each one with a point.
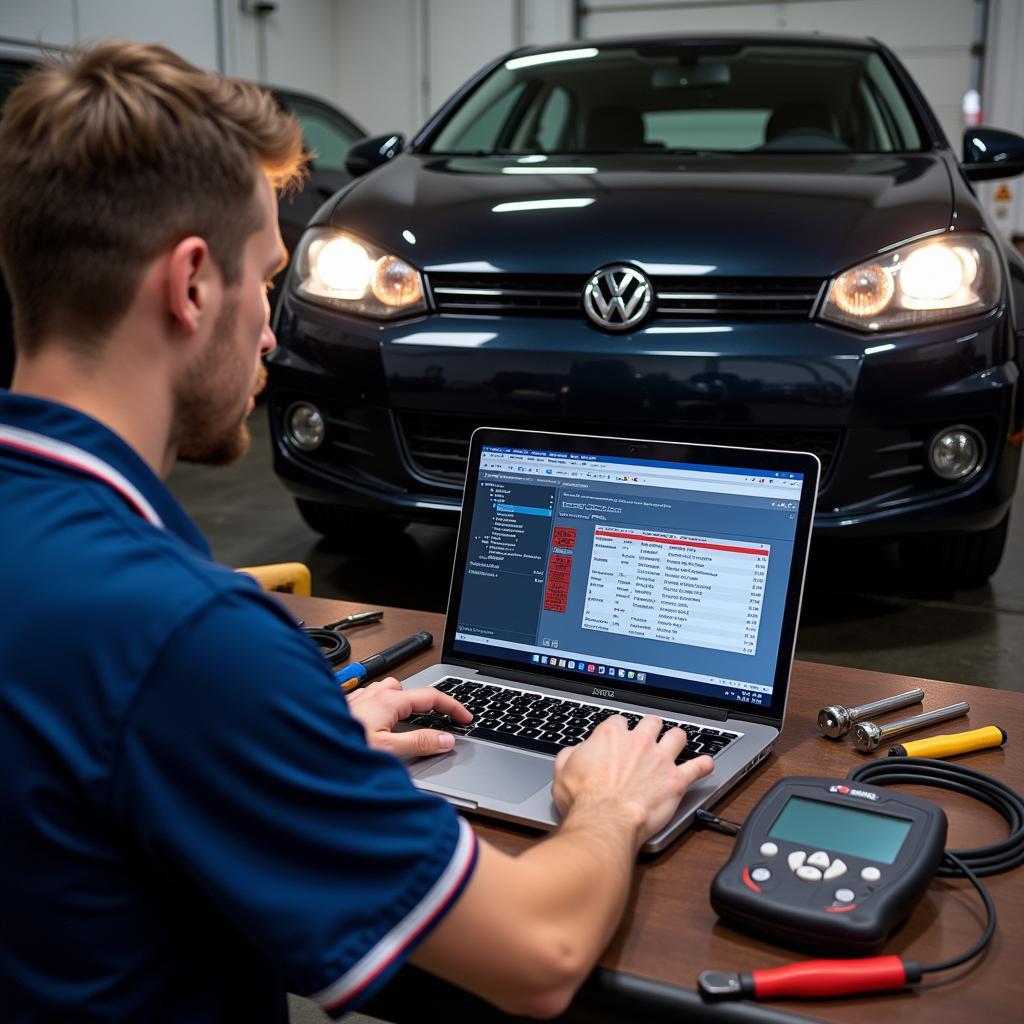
(652, 574)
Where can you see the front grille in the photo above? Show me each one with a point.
(677, 298)
(438, 445)
(682, 297)
(522, 294)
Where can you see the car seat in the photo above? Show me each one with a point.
(800, 125)
(610, 128)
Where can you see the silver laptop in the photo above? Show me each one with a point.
(598, 576)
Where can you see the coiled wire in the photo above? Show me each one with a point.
(969, 864)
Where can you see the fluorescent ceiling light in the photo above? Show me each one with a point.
(550, 58)
(541, 204)
(549, 170)
(446, 339)
(679, 269)
(657, 352)
(688, 330)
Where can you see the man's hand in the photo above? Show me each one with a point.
(627, 773)
(383, 704)
(528, 929)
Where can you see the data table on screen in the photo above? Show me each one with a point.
(681, 588)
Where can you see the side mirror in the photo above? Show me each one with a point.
(373, 152)
(992, 153)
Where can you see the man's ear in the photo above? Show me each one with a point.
(191, 281)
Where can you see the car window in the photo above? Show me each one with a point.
(706, 129)
(554, 119)
(324, 136)
(10, 75)
(903, 132)
(480, 125)
(735, 98)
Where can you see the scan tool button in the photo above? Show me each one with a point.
(845, 895)
(820, 859)
(870, 874)
(835, 869)
(796, 859)
(809, 873)
(769, 849)
(760, 874)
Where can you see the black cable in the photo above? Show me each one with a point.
(334, 646)
(990, 910)
(713, 821)
(969, 864)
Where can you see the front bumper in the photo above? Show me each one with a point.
(402, 399)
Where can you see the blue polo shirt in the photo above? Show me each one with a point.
(191, 822)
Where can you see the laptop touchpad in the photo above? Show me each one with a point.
(483, 771)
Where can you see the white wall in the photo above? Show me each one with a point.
(1003, 105)
(397, 61)
(293, 46)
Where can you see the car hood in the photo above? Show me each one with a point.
(727, 215)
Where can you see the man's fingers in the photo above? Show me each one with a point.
(429, 698)
(417, 743)
(391, 683)
(673, 741)
(697, 769)
(650, 724)
(562, 757)
(360, 694)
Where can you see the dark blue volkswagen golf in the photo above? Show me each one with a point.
(762, 241)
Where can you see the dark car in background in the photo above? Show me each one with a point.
(328, 134)
(762, 241)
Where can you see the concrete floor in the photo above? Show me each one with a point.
(858, 609)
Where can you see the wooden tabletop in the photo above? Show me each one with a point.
(670, 933)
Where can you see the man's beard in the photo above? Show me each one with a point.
(198, 431)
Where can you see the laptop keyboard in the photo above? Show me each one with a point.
(536, 721)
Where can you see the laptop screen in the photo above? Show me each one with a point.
(668, 575)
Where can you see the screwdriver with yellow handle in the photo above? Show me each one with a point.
(951, 744)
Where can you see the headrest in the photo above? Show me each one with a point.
(793, 116)
(614, 128)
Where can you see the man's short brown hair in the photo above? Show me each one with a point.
(111, 155)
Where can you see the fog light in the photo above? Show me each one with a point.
(304, 426)
(956, 453)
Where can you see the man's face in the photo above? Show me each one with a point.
(218, 391)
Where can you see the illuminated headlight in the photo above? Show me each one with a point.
(941, 278)
(337, 269)
(956, 453)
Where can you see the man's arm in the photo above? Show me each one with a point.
(527, 930)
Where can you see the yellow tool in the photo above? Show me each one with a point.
(952, 744)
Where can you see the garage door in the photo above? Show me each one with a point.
(932, 37)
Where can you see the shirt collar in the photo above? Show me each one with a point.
(62, 423)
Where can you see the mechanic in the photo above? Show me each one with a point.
(194, 820)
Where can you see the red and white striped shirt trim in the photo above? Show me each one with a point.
(68, 455)
(392, 945)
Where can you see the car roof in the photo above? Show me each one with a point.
(730, 38)
(11, 53)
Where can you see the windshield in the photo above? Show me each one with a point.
(768, 98)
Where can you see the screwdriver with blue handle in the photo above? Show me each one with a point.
(356, 673)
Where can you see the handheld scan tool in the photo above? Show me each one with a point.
(830, 865)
